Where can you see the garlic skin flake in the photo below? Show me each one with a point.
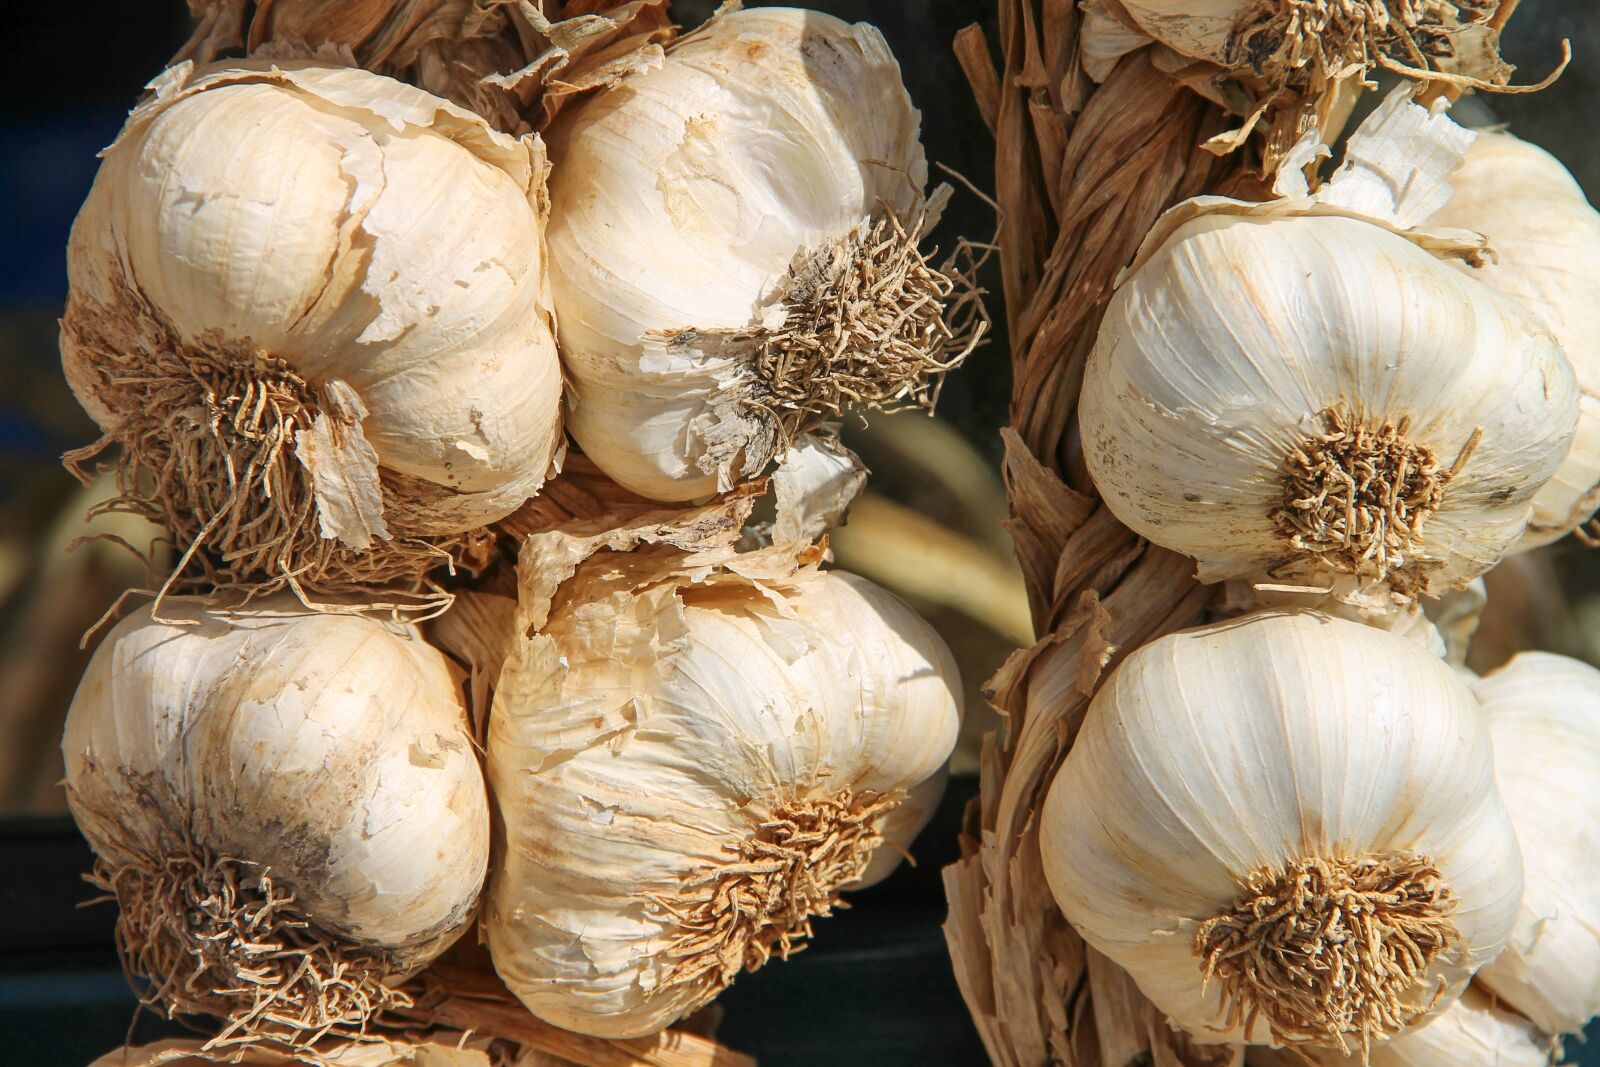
(733, 250)
(1546, 242)
(310, 304)
(1307, 397)
(689, 763)
(222, 763)
(1240, 785)
(1544, 719)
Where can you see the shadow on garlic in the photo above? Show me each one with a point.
(311, 374)
(1284, 787)
(734, 249)
(286, 806)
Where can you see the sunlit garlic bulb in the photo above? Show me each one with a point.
(1544, 719)
(285, 804)
(309, 308)
(689, 766)
(733, 250)
(1546, 240)
(1310, 398)
(1285, 828)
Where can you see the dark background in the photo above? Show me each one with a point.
(877, 987)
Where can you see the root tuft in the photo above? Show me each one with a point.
(1359, 497)
(216, 936)
(738, 915)
(869, 323)
(1326, 951)
(205, 440)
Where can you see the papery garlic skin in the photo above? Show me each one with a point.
(681, 199)
(301, 223)
(1228, 353)
(329, 750)
(1546, 242)
(1259, 745)
(1471, 1032)
(1544, 718)
(645, 751)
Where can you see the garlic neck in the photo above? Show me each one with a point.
(759, 904)
(1358, 495)
(1329, 951)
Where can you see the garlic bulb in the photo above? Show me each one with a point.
(1546, 240)
(309, 306)
(1544, 719)
(286, 805)
(690, 760)
(733, 247)
(438, 1050)
(1285, 828)
(1472, 1032)
(1314, 396)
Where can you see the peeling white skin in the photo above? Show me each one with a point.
(1251, 743)
(1471, 1032)
(1546, 240)
(1544, 719)
(330, 748)
(1216, 355)
(362, 231)
(646, 731)
(681, 198)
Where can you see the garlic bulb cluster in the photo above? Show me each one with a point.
(1544, 718)
(1315, 396)
(690, 760)
(309, 307)
(1546, 242)
(286, 805)
(1285, 827)
(733, 250)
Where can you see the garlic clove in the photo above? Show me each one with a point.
(1249, 783)
(1543, 713)
(276, 795)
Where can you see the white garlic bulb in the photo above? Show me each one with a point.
(441, 1049)
(733, 250)
(1285, 828)
(1546, 240)
(286, 805)
(1544, 718)
(1471, 1032)
(309, 305)
(1313, 396)
(689, 764)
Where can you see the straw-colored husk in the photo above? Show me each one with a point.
(1083, 170)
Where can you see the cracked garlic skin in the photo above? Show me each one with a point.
(1286, 785)
(310, 302)
(1546, 243)
(688, 768)
(1314, 398)
(701, 211)
(240, 772)
(1544, 719)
